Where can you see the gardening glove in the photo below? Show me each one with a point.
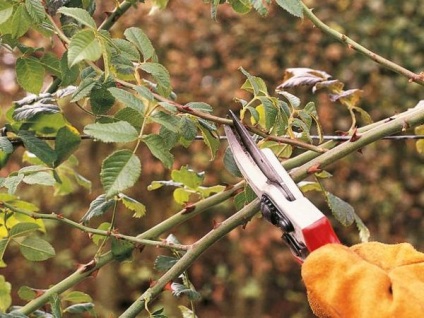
(365, 280)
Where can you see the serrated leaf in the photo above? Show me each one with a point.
(127, 99)
(293, 7)
(98, 207)
(5, 145)
(169, 121)
(270, 111)
(97, 238)
(101, 99)
(180, 290)
(120, 171)
(6, 10)
(80, 15)
(254, 84)
(36, 10)
(182, 195)
(121, 249)
(120, 131)
(27, 293)
(84, 45)
(30, 74)
(230, 164)
(38, 147)
(158, 148)
(41, 178)
(141, 41)
(3, 245)
(138, 208)
(187, 129)
(12, 182)
(144, 92)
(188, 177)
(67, 141)
(52, 64)
(160, 74)
(68, 74)
(131, 116)
(5, 294)
(21, 21)
(342, 211)
(36, 249)
(79, 308)
(84, 89)
(126, 49)
(200, 106)
(240, 6)
(77, 297)
(163, 262)
(210, 140)
(292, 99)
(306, 186)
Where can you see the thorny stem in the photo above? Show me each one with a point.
(411, 76)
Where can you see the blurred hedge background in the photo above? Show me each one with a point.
(251, 272)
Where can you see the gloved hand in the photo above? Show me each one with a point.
(365, 280)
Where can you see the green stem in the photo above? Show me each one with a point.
(412, 77)
(240, 218)
(115, 15)
(81, 274)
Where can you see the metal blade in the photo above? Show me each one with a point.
(259, 158)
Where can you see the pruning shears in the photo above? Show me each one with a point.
(305, 228)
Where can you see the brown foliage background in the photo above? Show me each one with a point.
(250, 273)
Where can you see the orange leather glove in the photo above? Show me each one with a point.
(365, 280)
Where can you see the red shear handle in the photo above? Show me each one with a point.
(318, 234)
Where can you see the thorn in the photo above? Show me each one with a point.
(314, 169)
(168, 286)
(188, 208)
(215, 224)
(87, 267)
(355, 135)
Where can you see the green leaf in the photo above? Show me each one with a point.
(21, 21)
(3, 245)
(230, 164)
(23, 229)
(27, 293)
(187, 128)
(292, 99)
(253, 84)
(200, 106)
(101, 99)
(131, 116)
(41, 178)
(80, 15)
(160, 74)
(36, 10)
(67, 141)
(208, 191)
(120, 131)
(270, 111)
(79, 308)
(84, 46)
(259, 7)
(138, 208)
(98, 207)
(180, 290)
(30, 74)
(158, 148)
(6, 10)
(97, 238)
(84, 89)
(126, 49)
(5, 145)
(121, 249)
(68, 74)
(12, 182)
(170, 122)
(141, 41)
(77, 297)
(188, 177)
(364, 233)
(240, 6)
(54, 301)
(36, 249)
(164, 263)
(342, 211)
(5, 294)
(182, 195)
(293, 7)
(38, 147)
(120, 171)
(210, 140)
(127, 99)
